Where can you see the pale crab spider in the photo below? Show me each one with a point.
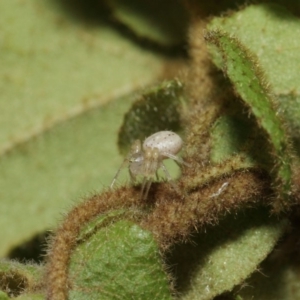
(146, 160)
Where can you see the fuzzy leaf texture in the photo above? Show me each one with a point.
(272, 38)
(245, 70)
(236, 135)
(279, 279)
(225, 255)
(229, 134)
(117, 261)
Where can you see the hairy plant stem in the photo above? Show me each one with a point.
(171, 217)
(65, 238)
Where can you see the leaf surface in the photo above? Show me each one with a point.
(117, 261)
(58, 134)
(272, 38)
(162, 22)
(244, 70)
(225, 255)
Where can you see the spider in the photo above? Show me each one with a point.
(145, 160)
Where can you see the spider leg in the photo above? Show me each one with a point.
(132, 177)
(177, 159)
(118, 172)
(143, 187)
(146, 184)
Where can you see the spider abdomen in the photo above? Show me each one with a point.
(168, 143)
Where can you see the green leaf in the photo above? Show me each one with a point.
(275, 46)
(158, 108)
(273, 40)
(241, 67)
(229, 134)
(116, 259)
(225, 255)
(44, 176)
(276, 279)
(242, 70)
(236, 134)
(3, 296)
(53, 67)
(161, 21)
(58, 134)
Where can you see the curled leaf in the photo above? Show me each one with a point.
(242, 68)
